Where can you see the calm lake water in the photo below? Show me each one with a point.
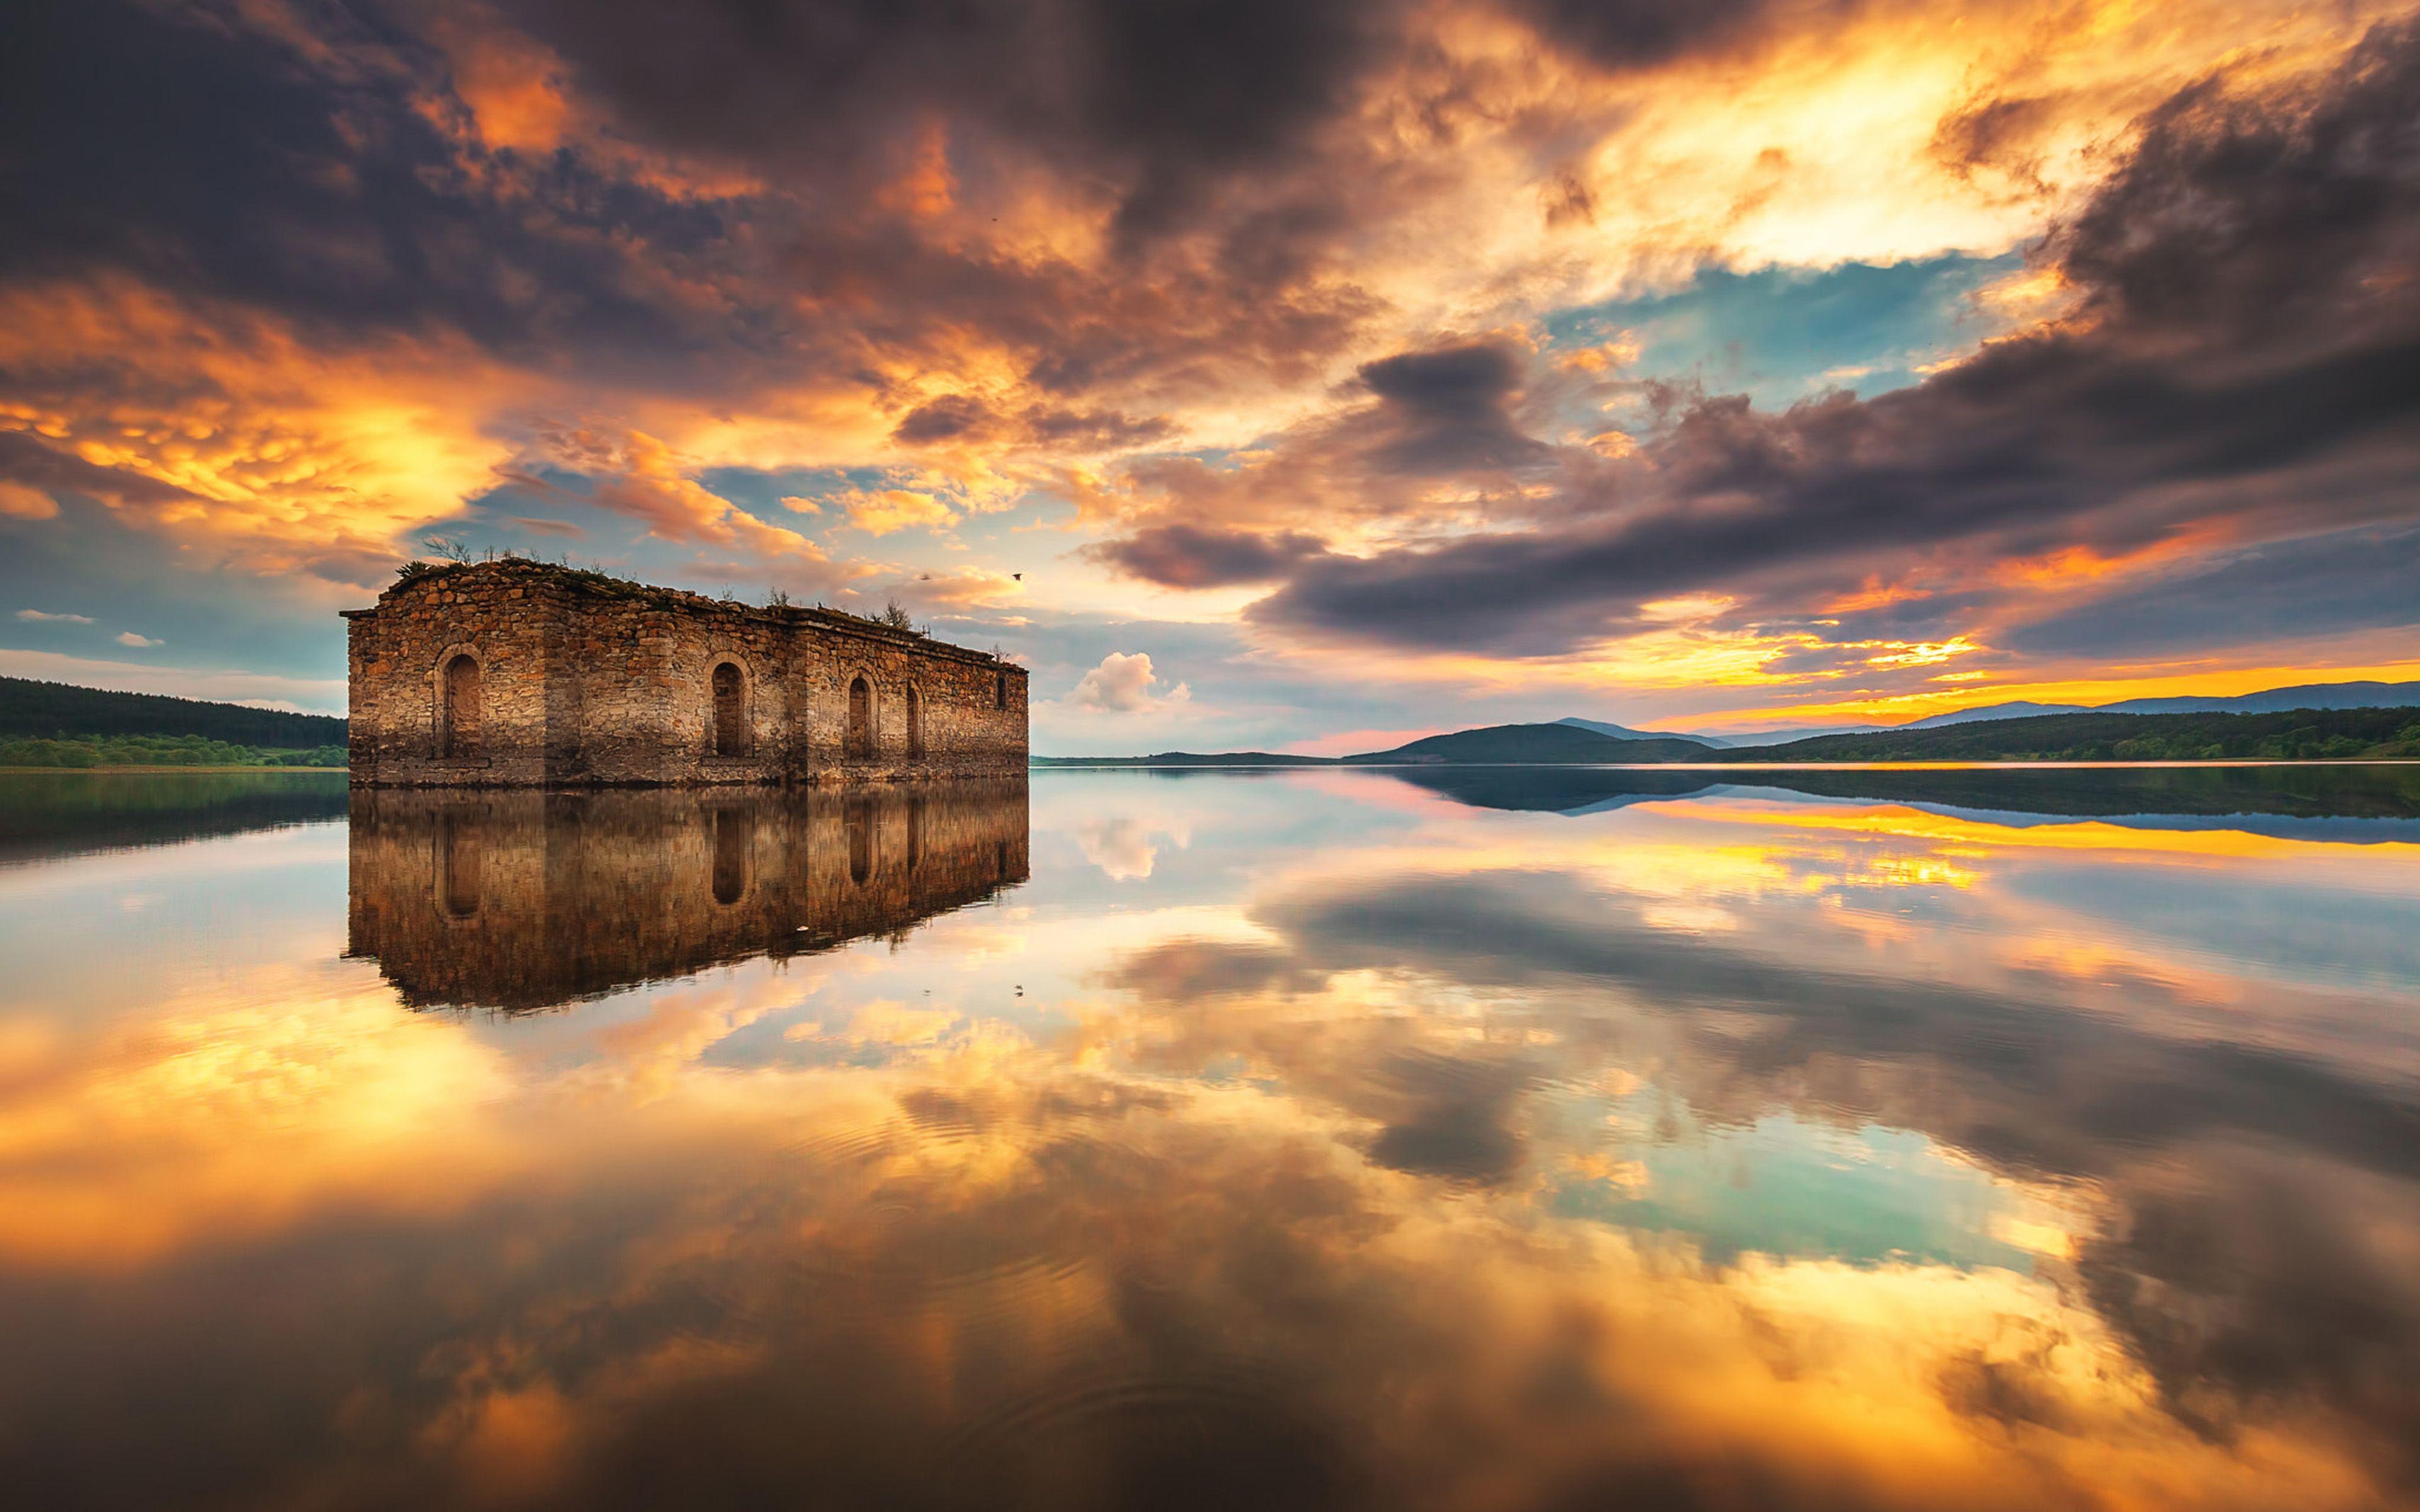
(1478, 1139)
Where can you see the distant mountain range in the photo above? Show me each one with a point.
(2273, 701)
(1187, 758)
(1533, 744)
(2319, 722)
(1625, 733)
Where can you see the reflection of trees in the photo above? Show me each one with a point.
(526, 899)
(2390, 791)
(44, 814)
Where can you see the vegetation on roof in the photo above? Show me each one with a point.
(893, 617)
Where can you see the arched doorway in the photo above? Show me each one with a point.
(915, 721)
(730, 710)
(861, 720)
(457, 707)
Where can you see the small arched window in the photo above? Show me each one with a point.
(1000, 691)
(861, 718)
(915, 721)
(457, 707)
(730, 710)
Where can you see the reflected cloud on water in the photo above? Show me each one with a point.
(1327, 1138)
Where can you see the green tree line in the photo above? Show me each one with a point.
(158, 750)
(34, 709)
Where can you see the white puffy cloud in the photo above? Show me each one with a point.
(1122, 684)
(43, 617)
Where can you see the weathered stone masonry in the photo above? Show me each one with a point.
(522, 674)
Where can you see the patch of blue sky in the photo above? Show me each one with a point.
(1786, 1187)
(761, 493)
(1780, 335)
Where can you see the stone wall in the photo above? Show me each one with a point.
(523, 901)
(586, 680)
(511, 629)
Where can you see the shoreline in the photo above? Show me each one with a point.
(1111, 764)
(155, 771)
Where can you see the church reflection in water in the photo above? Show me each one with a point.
(526, 901)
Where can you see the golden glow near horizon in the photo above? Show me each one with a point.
(2091, 692)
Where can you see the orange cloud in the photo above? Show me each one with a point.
(646, 480)
(276, 448)
(882, 511)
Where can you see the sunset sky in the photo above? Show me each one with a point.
(1331, 373)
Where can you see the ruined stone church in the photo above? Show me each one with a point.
(519, 673)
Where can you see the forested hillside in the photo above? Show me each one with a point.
(2295, 734)
(32, 710)
(1532, 744)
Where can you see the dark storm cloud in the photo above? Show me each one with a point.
(2248, 350)
(327, 169)
(1624, 33)
(1448, 409)
(1165, 95)
(215, 163)
(955, 417)
(962, 418)
(2346, 581)
(1188, 556)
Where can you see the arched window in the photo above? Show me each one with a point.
(915, 833)
(457, 707)
(915, 721)
(730, 711)
(730, 837)
(861, 718)
(1000, 691)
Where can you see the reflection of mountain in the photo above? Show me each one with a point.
(2389, 792)
(66, 813)
(526, 901)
